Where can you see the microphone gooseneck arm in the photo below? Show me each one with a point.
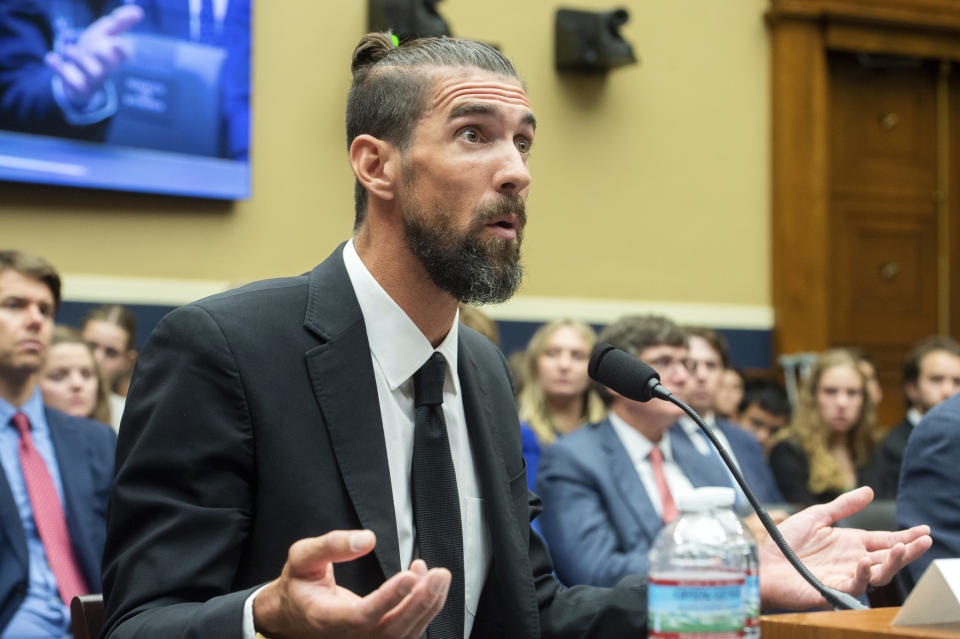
(836, 598)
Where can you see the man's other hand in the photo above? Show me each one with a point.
(306, 601)
(844, 558)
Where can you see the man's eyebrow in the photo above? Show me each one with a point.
(463, 110)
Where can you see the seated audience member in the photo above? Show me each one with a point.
(709, 358)
(764, 411)
(928, 484)
(831, 436)
(609, 487)
(931, 374)
(111, 332)
(70, 379)
(557, 395)
(729, 393)
(55, 470)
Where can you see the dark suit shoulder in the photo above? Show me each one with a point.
(90, 427)
(738, 436)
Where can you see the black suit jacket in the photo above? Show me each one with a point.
(883, 469)
(84, 450)
(253, 421)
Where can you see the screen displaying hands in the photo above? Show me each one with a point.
(86, 62)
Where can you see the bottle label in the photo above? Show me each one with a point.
(752, 599)
(695, 609)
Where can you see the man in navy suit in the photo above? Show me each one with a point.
(603, 504)
(709, 356)
(51, 554)
(928, 482)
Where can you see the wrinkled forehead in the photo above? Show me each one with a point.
(455, 86)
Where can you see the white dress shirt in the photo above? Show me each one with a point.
(398, 349)
(638, 448)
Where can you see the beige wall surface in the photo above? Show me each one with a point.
(650, 184)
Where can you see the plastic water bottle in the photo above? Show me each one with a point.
(741, 535)
(698, 570)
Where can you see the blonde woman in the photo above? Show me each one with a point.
(557, 395)
(832, 433)
(70, 379)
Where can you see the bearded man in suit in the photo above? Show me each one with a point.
(277, 429)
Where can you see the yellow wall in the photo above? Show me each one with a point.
(649, 184)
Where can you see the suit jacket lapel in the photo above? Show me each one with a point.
(509, 557)
(70, 447)
(343, 381)
(10, 521)
(700, 469)
(628, 481)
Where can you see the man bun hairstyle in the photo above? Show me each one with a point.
(389, 91)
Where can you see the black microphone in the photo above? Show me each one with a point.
(635, 380)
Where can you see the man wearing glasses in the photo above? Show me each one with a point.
(609, 487)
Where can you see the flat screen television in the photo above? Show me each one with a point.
(172, 117)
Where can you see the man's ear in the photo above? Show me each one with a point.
(375, 163)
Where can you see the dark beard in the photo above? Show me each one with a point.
(474, 269)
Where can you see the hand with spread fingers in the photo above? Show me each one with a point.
(305, 601)
(847, 559)
(85, 65)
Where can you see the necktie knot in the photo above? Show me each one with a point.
(22, 424)
(428, 382)
(656, 455)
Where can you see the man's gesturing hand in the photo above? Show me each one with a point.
(847, 559)
(306, 601)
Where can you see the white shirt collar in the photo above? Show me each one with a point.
(398, 346)
(638, 447)
(913, 416)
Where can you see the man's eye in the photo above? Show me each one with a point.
(523, 145)
(470, 135)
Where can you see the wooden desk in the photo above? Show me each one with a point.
(848, 624)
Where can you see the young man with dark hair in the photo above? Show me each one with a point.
(55, 470)
(708, 357)
(764, 410)
(344, 416)
(931, 374)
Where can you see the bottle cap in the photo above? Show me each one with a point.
(706, 498)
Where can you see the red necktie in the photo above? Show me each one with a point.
(666, 499)
(48, 515)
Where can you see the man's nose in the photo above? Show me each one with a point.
(513, 175)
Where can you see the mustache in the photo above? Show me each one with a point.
(505, 205)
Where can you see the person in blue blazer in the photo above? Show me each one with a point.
(602, 505)
(78, 454)
(928, 482)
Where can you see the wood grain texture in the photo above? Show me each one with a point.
(849, 624)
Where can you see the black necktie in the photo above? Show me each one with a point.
(436, 501)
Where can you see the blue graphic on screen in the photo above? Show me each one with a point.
(139, 95)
